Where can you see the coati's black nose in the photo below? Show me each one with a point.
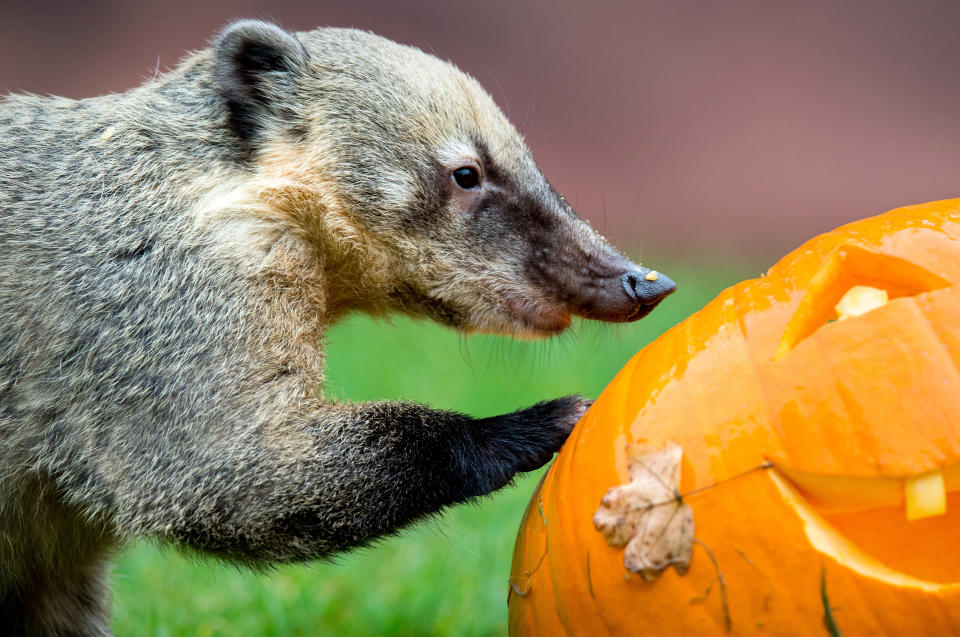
(611, 288)
(648, 287)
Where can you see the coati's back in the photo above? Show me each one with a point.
(83, 207)
(68, 237)
(119, 316)
(58, 197)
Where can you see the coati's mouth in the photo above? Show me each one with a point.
(537, 318)
(627, 297)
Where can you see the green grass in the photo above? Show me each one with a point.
(444, 577)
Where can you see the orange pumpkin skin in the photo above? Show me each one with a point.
(844, 410)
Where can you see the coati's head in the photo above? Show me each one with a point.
(419, 194)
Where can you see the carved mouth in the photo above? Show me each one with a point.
(864, 523)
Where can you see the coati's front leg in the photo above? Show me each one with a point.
(335, 477)
(408, 461)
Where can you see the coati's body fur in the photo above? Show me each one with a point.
(170, 259)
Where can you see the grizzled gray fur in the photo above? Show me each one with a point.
(170, 259)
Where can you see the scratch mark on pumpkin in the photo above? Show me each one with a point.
(589, 580)
(516, 589)
(527, 574)
(713, 485)
(679, 497)
(770, 591)
(543, 516)
(539, 562)
(828, 621)
(724, 604)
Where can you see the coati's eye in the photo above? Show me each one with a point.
(466, 177)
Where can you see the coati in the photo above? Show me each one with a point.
(170, 259)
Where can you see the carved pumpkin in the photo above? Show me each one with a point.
(785, 461)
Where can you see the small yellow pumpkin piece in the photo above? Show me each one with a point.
(926, 495)
(860, 299)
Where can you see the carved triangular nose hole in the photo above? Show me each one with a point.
(846, 267)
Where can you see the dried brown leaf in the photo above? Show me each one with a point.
(647, 515)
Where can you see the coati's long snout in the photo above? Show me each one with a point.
(618, 294)
(594, 280)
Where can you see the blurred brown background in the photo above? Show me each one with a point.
(681, 127)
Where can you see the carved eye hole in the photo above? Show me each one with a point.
(467, 177)
(851, 282)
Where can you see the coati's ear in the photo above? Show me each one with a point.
(256, 66)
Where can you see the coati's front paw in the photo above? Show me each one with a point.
(553, 420)
(544, 427)
(520, 441)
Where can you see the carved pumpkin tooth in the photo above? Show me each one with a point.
(925, 495)
(860, 299)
